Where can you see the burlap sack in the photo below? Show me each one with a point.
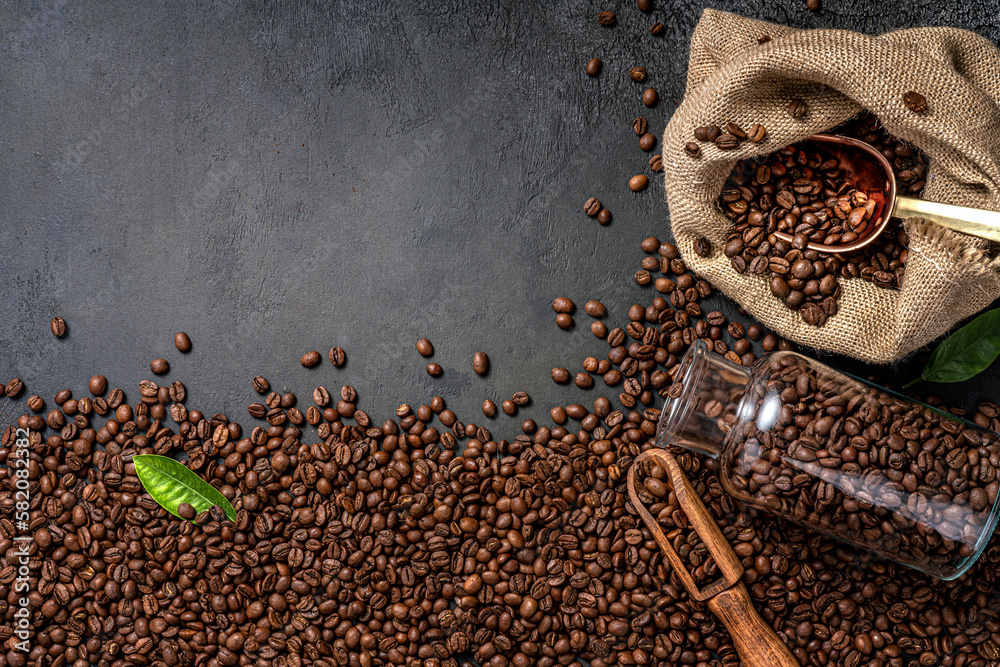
(949, 276)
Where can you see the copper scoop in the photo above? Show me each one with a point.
(869, 171)
(756, 642)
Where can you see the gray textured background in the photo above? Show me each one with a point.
(279, 177)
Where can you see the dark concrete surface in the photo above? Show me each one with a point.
(279, 177)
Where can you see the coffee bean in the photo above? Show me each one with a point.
(639, 126)
(564, 321)
(592, 206)
(561, 304)
(35, 403)
(638, 183)
(595, 309)
(649, 97)
(702, 247)
(813, 5)
(509, 407)
(637, 74)
(736, 131)
(309, 359)
(159, 366)
(727, 142)
(797, 108)
(594, 66)
(434, 370)
(645, 5)
(337, 356)
(560, 375)
(763, 39)
(186, 511)
(584, 380)
(260, 385)
(692, 149)
(656, 29)
(647, 142)
(604, 217)
(58, 326)
(656, 163)
(480, 363)
(599, 329)
(521, 398)
(606, 18)
(424, 347)
(757, 133)
(914, 101)
(98, 385)
(489, 408)
(182, 342)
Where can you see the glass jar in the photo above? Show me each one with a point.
(840, 456)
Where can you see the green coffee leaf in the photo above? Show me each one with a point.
(171, 483)
(968, 351)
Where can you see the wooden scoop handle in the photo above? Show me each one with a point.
(756, 642)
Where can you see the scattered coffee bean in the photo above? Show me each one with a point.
(58, 326)
(813, 5)
(639, 126)
(337, 356)
(186, 512)
(692, 149)
(564, 321)
(595, 309)
(727, 142)
(797, 108)
(763, 39)
(604, 217)
(647, 142)
(599, 329)
(521, 398)
(560, 375)
(434, 370)
(584, 380)
(637, 74)
(914, 101)
(509, 407)
(757, 133)
(480, 363)
(14, 387)
(182, 342)
(592, 206)
(649, 97)
(98, 385)
(561, 304)
(606, 18)
(702, 247)
(656, 163)
(489, 408)
(159, 366)
(309, 359)
(35, 403)
(260, 385)
(594, 66)
(656, 29)
(736, 131)
(424, 347)
(645, 5)
(638, 183)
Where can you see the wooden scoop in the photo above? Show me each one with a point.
(756, 642)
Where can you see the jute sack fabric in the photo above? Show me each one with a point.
(731, 77)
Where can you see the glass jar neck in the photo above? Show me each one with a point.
(703, 414)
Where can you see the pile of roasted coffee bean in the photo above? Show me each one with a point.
(804, 195)
(426, 541)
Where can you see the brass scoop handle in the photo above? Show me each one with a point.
(972, 221)
(756, 642)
